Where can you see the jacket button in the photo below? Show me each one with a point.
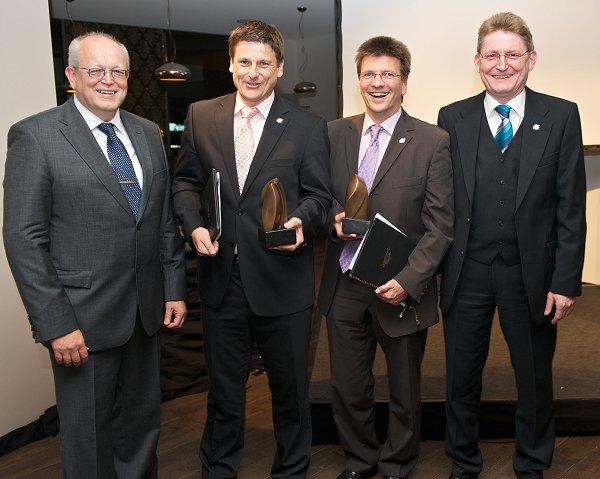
(462, 253)
(240, 212)
(137, 267)
(468, 219)
(138, 227)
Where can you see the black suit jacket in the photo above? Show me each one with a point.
(294, 148)
(550, 201)
(413, 189)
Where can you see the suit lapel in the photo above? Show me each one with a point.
(536, 129)
(224, 125)
(140, 145)
(467, 137)
(352, 143)
(275, 125)
(75, 129)
(402, 135)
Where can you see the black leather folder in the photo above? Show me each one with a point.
(211, 205)
(383, 253)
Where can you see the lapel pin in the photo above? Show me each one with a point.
(401, 140)
(279, 120)
(536, 127)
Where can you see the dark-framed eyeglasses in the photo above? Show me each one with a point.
(99, 73)
(385, 76)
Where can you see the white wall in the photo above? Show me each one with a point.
(442, 39)
(26, 87)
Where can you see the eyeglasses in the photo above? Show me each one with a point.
(99, 73)
(508, 56)
(385, 76)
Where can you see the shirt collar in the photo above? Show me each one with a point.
(263, 107)
(517, 104)
(93, 121)
(388, 125)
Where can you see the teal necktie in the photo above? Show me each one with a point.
(505, 131)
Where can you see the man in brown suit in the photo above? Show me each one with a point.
(410, 184)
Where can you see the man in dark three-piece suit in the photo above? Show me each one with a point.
(405, 164)
(519, 187)
(251, 293)
(97, 259)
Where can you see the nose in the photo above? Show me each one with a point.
(377, 81)
(108, 78)
(501, 65)
(253, 72)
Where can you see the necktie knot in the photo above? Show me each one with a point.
(107, 128)
(503, 110)
(375, 130)
(248, 112)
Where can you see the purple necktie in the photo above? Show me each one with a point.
(366, 170)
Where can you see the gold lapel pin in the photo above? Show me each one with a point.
(279, 120)
(401, 140)
(536, 127)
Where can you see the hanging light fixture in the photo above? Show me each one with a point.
(171, 71)
(303, 86)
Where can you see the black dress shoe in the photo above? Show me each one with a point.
(349, 474)
(394, 477)
(463, 476)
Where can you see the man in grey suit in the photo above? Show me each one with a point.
(95, 253)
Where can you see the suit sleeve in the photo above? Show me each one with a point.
(188, 180)
(314, 200)
(27, 213)
(437, 215)
(570, 211)
(172, 253)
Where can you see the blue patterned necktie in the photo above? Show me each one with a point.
(366, 170)
(121, 163)
(505, 131)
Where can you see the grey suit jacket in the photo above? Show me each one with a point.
(412, 189)
(79, 258)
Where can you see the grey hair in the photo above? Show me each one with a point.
(75, 43)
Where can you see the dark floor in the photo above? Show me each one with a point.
(576, 361)
(575, 457)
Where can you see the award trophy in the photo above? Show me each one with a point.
(274, 215)
(357, 207)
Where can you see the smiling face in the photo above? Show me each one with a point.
(102, 96)
(382, 98)
(504, 78)
(255, 71)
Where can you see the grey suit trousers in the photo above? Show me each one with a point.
(109, 411)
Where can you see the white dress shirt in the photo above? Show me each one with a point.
(383, 139)
(93, 121)
(257, 122)
(516, 115)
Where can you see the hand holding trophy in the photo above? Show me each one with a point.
(357, 207)
(274, 215)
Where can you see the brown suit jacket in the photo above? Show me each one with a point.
(413, 189)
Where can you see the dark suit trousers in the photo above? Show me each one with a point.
(229, 331)
(354, 331)
(467, 325)
(109, 411)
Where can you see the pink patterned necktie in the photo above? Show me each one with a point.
(244, 145)
(366, 170)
